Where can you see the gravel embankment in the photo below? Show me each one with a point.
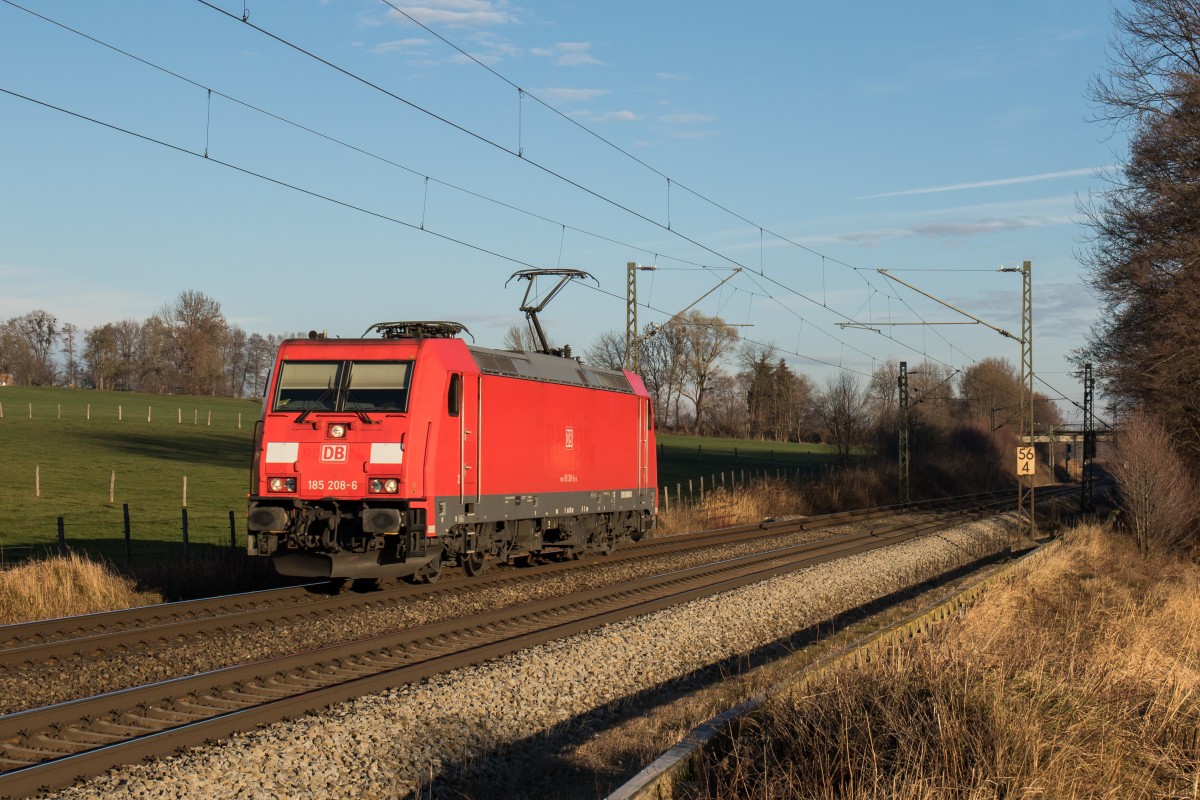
(391, 744)
(39, 685)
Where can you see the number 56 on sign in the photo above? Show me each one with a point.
(1025, 461)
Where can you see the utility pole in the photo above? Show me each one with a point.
(1027, 403)
(1087, 479)
(1025, 497)
(902, 425)
(631, 326)
(631, 321)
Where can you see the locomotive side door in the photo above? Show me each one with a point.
(469, 421)
(643, 446)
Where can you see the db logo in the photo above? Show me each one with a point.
(333, 452)
(570, 438)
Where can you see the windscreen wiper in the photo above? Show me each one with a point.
(320, 399)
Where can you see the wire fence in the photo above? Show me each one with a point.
(732, 481)
(194, 416)
(186, 536)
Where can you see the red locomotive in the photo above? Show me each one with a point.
(393, 456)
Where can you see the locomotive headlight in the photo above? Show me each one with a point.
(383, 486)
(282, 484)
(337, 431)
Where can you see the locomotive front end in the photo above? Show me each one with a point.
(329, 488)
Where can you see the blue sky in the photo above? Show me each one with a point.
(944, 136)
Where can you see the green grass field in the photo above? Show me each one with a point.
(74, 458)
(48, 439)
(684, 458)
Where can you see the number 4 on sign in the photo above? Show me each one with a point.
(1025, 461)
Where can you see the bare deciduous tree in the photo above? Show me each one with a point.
(607, 351)
(706, 340)
(38, 331)
(1144, 254)
(198, 332)
(1157, 492)
(843, 410)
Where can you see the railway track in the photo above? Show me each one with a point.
(54, 745)
(91, 635)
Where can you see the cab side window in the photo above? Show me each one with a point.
(454, 395)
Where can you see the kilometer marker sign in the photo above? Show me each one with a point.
(1025, 461)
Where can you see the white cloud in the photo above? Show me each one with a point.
(685, 119)
(562, 95)
(454, 13)
(583, 115)
(957, 229)
(955, 187)
(398, 45)
(691, 134)
(568, 54)
(670, 76)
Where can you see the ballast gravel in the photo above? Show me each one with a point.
(37, 685)
(402, 742)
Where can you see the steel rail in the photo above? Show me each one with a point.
(92, 634)
(54, 745)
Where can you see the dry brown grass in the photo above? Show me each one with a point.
(1080, 679)
(64, 586)
(755, 501)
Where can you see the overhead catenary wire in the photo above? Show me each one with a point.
(342, 143)
(284, 184)
(569, 181)
(278, 182)
(426, 179)
(669, 227)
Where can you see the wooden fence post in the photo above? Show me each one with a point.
(120, 413)
(179, 413)
(37, 480)
(186, 547)
(195, 416)
(62, 537)
(210, 419)
(232, 532)
(128, 533)
(149, 410)
(89, 411)
(60, 410)
(185, 491)
(112, 484)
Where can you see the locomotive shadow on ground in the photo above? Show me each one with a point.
(158, 565)
(541, 766)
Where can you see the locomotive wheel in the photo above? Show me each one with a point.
(474, 563)
(429, 573)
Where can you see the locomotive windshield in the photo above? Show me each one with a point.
(353, 386)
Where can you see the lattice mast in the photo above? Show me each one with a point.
(902, 426)
(1025, 492)
(1088, 479)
